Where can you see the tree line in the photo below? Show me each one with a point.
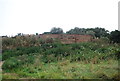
(113, 36)
(97, 32)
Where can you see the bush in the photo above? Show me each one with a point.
(115, 36)
(11, 63)
(7, 54)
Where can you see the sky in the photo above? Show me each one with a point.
(38, 16)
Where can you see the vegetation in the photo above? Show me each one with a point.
(55, 30)
(33, 58)
(96, 32)
(33, 62)
(115, 36)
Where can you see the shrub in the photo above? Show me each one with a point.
(7, 54)
(11, 63)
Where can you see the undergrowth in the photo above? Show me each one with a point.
(60, 61)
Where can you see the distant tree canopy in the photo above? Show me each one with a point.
(115, 36)
(100, 32)
(47, 33)
(19, 34)
(96, 32)
(36, 33)
(77, 30)
(56, 30)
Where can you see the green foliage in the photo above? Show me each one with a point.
(7, 41)
(41, 41)
(115, 36)
(8, 53)
(15, 62)
(55, 60)
(11, 63)
(77, 30)
(47, 33)
(20, 34)
(37, 34)
(100, 32)
(21, 51)
(56, 30)
(60, 50)
(67, 70)
(90, 32)
(95, 32)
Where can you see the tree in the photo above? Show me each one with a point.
(77, 30)
(96, 32)
(47, 33)
(115, 36)
(36, 33)
(20, 34)
(100, 32)
(90, 32)
(56, 30)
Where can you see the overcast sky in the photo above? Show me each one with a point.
(38, 16)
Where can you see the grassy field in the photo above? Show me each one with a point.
(66, 70)
(62, 61)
